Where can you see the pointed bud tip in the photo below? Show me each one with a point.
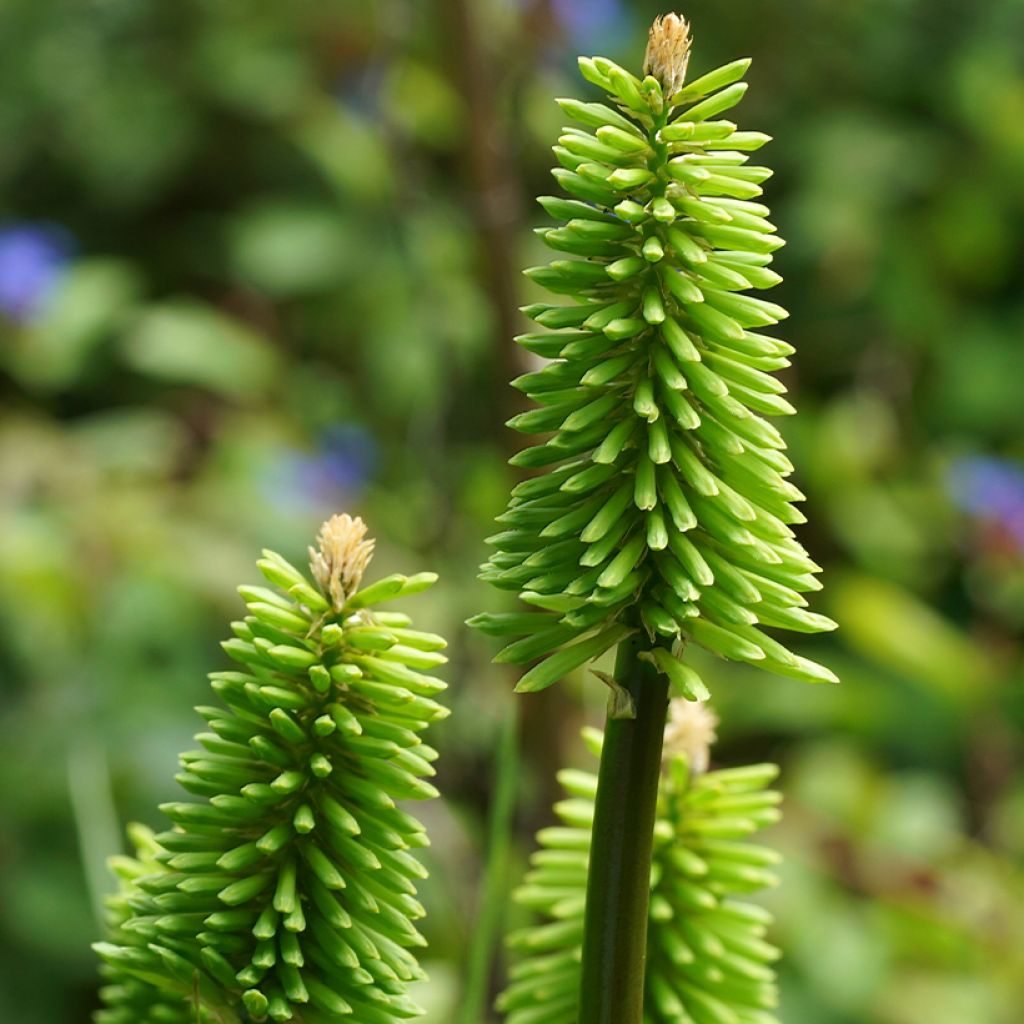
(340, 558)
(668, 52)
(690, 731)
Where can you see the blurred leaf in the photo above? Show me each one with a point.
(982, 393)
(289, 249)
(134, 135)
(438, 996)
(1008, 820)
(889, 625)
(348, 152)
(246, 59)
(855, 436)
(47, 906)
(139, 442)
(91, 301)
(185, 342)
(423, 103)
(834, 947)
(944, 999)
(918, 818)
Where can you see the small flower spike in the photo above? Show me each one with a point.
(708, 961)
(661, 501)
(287, 889)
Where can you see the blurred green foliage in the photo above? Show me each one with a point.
(258, 263)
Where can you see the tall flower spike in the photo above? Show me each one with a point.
(708, 961)
(664, 503)
(287, 892)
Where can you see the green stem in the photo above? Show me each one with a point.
(618, 883)
(495, 886)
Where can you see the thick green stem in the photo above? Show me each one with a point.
(618, 883)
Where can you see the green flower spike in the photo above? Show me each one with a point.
(663, 504)
(288, 891)
(708, 961)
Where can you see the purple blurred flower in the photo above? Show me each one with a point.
(359, 87)
(991, 489)
(591, 25)
(33, 259)
(338, 469)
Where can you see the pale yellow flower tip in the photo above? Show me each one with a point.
(690, 731)
(341, 559)
(668, 52)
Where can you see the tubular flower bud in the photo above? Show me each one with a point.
(127, 998)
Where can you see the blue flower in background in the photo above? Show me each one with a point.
(991, 489)
(337, 470)
(33, 259)
(592, 25)
(359, 87)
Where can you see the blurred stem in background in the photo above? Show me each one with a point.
(92, 804)
(490, 173)
(494, 888)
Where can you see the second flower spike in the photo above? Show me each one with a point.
(286, 889)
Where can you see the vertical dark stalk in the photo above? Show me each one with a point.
(491, 180)
(618, 884)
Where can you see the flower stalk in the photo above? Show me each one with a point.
(618, 881)
(661, 520)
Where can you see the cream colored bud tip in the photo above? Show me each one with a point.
(341, 558)
(668, 52)
(690, 731)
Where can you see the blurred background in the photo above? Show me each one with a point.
(260, 263)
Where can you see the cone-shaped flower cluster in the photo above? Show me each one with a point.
(708, 961)
(665, 502)
(288, 891)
